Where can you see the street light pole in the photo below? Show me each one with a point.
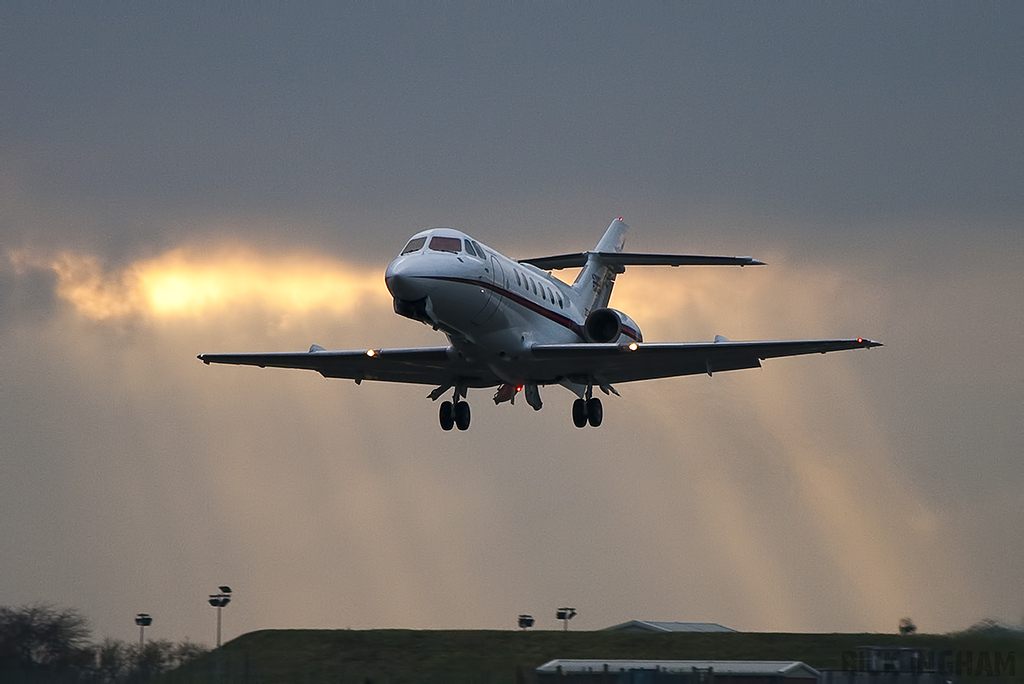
(143, 620)
(565, 614)
(219, 601)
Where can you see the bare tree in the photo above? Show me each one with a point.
(41, 635)
(54, 643)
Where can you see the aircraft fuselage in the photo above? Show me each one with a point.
(487, 304)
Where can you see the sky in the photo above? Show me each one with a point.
(179, 179)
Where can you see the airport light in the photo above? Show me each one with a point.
(143, 620)
(565, 614)
(219, 601)
(525, 621)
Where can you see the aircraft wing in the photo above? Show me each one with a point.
(548, 363)
(579, 259)
(426, 365)
(613, 363)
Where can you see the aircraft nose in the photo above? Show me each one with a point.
(401, 281)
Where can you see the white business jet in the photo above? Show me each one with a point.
(514, 326)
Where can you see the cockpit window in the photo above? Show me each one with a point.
(414, 245)
(446, 244)
(471, 248)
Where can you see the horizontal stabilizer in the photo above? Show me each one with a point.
(579, 259)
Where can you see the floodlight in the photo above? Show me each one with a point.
(525, 621)
(218, 601)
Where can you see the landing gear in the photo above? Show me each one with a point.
(454, 415)
(446, 416)
(595, 412)
(587, 411)
(579, 413)
(461, 411)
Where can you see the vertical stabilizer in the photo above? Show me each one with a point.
(594, 283)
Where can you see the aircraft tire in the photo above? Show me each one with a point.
(579, 413)
(595, 412)
(446, 416)
(462, 415)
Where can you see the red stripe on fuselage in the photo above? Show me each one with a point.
(561, 319)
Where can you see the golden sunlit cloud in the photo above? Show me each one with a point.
(189, 283)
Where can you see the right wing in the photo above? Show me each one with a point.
(425, 365)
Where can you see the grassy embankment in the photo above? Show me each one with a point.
(508, 657)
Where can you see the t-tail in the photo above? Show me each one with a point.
(595, 282)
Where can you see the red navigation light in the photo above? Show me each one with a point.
(519, 388)
(860, 340)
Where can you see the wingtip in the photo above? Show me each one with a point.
(868, 344)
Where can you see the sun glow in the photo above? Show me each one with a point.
(189, 283)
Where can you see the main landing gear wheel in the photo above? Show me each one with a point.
(579, 413)
(446, 416)
(461, 410)
(595, 412)
(454, 415)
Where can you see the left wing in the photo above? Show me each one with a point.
(612, 363)
(426, 365)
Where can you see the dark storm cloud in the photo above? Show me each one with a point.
(364, 111)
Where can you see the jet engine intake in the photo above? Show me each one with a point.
(611, 325)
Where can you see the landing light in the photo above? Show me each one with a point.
(633, 346)
(370, 352)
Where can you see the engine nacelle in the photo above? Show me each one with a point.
(611, 325)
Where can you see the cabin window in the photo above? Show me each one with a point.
(414, 245)
(551, 297)
(518, 281)
(542, 296)
(439, 243)
(559, 301)
(533, 285)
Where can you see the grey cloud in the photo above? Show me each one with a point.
(870, 154)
